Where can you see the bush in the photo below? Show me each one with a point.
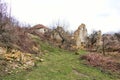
(101, 61)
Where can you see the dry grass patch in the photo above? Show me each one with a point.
(104, 62)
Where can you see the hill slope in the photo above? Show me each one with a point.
(60, 65)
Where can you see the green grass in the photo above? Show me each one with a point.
(61, 65)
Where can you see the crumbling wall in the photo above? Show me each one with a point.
(99, 38)
(95, 41)
(75, 41)
(80, 36)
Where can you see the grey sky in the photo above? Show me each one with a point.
(96, 14)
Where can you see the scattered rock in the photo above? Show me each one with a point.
(2, 50)
(15, 59)
(41, 60)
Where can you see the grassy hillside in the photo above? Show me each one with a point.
(60, 65)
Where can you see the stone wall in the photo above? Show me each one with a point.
(99, 38)
(95, 41)
(80, 36)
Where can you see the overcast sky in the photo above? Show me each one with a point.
(96, 14)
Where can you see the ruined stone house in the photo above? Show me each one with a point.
(76, 41)
(40, 28)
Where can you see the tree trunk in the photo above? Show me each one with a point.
(103, 46)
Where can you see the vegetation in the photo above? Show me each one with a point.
(51, 63)
(59, 64)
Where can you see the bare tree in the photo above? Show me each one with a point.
(60, 23)
(59, 28)
(4, 31)
(3, 14)
(103, 45)
(92, 38)
(118, 35)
